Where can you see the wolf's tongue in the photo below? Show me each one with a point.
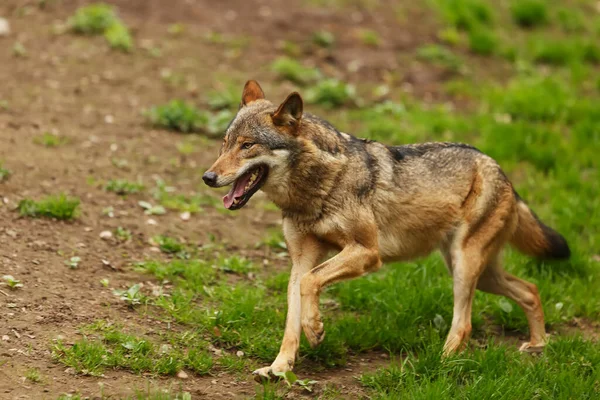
(237, 190)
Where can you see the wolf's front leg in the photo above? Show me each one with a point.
(353, 261)
(306, 252)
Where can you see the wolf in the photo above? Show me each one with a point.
(371, 203)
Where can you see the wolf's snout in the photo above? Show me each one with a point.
(210, 178)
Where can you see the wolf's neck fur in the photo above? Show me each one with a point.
(304, 188)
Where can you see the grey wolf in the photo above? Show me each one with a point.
(372, 203)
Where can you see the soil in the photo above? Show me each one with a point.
(78, 87)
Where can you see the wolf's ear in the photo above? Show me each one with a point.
(252, 91)
(289, 112)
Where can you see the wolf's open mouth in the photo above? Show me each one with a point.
(244, 187)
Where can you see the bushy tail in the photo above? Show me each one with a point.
(534, 238)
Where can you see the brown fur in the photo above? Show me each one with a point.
(372, 203)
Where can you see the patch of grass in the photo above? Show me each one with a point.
(226, 98)
(369, 37)
(292, 70)
(93, 19)
(466, 14)
(440, 55)
(571, 20)
(483, 42)
(33, 375)
(323, 39)
(122, 234)
(487, 373)
(123, 186)
(177, 115)
(5, 173)
(11, 282)
(57, 206)
(331, 93)
(48, 139)
(168, 244)
(119, 38)
(101, 19)
(112, 348)
(529, 13)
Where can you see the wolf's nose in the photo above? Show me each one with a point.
(210, 178)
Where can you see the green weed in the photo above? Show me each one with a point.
(11, 282)
(114, 348)
(177, 115)
(123, 187)
(292, 70)
(119, 38)
(168, 244)
(58, 206)
(48, 139)
(93, 19)
(529, 13)
(466, 14)
(33, 375)
(5, 173)
(440, 55)
(101, 19)
(323, 39)
(369, 37)
(491, 372)
(331, 93)
(483, 42)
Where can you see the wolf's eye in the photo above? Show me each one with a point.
(247, 145)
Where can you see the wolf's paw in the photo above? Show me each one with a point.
(313, 329)
(527, 347)
(269, 373)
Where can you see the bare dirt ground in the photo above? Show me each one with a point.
(94, 96)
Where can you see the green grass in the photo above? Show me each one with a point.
(440, 55)
(57, 206)
(5, 173)
(466, 14)
(180, 116)
(369, 37)
(483, 42)
(331, 93)
(323, 39)
(568, 369)
(106, 346)
(33, 375)
(50, 140)
(168, 244)
(119, 38)
(529, 13)
(123, 186)
(93, 19)
(102, 19)
(292, 70)
(177, 115)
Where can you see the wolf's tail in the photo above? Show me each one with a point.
(536, 239)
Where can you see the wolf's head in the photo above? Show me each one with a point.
(257, 145)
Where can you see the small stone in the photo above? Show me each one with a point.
(70, 371)
(185, 216)
(182, 375)
(214, 381)
(106, 235)
(4, 27)
(240, 354)
(152, 222)
(5, 338)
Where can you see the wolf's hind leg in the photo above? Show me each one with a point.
(497, 281)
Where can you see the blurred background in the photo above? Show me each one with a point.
(111, 248)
